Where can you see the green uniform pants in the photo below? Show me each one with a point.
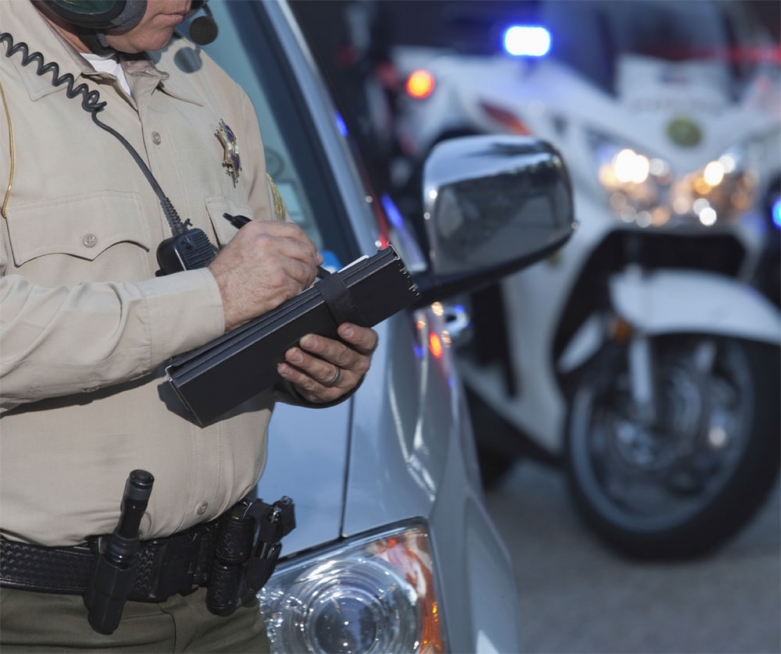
(45, 622)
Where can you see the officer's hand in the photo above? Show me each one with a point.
(265, 264)
(313, 366)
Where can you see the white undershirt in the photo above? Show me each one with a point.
(108, 64)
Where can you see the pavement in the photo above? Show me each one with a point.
(578, 597)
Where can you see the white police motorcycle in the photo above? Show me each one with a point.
(640, 356)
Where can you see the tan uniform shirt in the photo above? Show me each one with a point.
(84, 323)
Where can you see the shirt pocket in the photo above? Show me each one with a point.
(216, 207)
(102, 236)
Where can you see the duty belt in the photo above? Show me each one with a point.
(237, 550)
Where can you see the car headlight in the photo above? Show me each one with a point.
(374, 594)
(643, 190)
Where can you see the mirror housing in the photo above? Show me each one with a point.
(492, 205)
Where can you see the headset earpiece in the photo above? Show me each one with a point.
(100, 15)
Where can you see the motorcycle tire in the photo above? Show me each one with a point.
(720, 512)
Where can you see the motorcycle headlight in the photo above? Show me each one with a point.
(375, 594)
(636, 184)
(721, 191)
(644, 191)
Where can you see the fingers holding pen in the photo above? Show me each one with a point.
(286, 240)
(265, 264)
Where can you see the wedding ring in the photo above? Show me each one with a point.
(335, 380)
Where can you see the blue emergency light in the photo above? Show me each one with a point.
(341, 125)
(527, 41)
(775, 212)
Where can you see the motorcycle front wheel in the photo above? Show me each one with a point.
(677, 484)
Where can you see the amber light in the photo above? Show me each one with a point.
(435, 345)
(410, 555)
(420, 84)
(621, 330)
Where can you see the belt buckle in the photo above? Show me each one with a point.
(175, 565)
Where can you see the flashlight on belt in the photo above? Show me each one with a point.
(116, 566)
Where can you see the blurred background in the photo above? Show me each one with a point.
(624, 392)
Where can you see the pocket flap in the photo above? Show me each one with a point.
(82, 226)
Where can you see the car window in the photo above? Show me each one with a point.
(248, 51)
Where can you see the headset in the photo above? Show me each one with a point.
(96, 18)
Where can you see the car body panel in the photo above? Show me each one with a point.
(401, 448)
(307, 460)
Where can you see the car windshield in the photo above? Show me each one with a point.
(248, 50)
(660, 29)
(592, 35)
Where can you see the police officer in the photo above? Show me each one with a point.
(85, 323)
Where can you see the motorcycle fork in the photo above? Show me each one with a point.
(640, 350)
(641, 378)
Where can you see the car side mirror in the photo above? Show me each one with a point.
(492, 205)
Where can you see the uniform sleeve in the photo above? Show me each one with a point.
(64, 340)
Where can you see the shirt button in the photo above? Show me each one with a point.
(90, 240)
(202, 508)
(156, 138)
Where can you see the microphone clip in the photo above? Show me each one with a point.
(186, 251)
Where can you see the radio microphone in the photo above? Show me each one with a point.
(204, 30)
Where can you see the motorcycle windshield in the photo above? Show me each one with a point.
(595, 37)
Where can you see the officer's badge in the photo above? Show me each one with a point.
(231, 161)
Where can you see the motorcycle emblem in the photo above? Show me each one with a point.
(684, 132)
(231, 161)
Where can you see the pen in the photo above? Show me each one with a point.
(239, 221)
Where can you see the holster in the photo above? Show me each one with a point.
(247, 550)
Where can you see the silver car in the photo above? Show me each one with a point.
(394, 550)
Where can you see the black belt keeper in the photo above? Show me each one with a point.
(234, 546)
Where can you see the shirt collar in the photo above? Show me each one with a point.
(168, 57)
(40, 36)
(145, 67)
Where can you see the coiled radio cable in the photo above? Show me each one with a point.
(92, 104)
